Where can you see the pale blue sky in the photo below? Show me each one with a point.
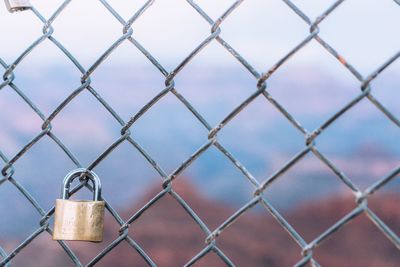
(365, 32)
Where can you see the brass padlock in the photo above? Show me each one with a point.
(79, 220)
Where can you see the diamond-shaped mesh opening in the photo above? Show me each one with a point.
(214, 9)
(181, 134)
(21, 31)
(305, 191)
(86, 127)
(127, 9)
(203, 186)
(260, 29)
(47, 9)
(128, 172)
(49, 83)
(257, 239)
(384, 88)
(127, 85)
(19, 124)
(313, 94)
(122, 255)
(355, 17)
(167, 233)
(359, 243)
(42, 180)
(158, 20)
(383, 203)
(89, 41)
(31, 255)
(210, 259)
(217, 90)
(265, 146)
(313, 9)
(362, 143)
(18, 222)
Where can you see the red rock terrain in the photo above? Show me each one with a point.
(171, 238)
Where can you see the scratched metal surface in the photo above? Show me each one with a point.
(10, 82)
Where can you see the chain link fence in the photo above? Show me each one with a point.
(10, 82)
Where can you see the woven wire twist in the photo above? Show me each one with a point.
(260, 90)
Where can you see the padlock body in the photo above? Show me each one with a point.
(17, 5)
(79, 220)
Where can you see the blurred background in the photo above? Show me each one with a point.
(312, 86)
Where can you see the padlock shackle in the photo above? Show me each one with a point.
(70, 177)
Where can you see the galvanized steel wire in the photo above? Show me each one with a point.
(10, 82)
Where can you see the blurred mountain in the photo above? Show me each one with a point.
(171, 237)
(363, 143)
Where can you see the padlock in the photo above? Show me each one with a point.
(17, 5)
(79, 220)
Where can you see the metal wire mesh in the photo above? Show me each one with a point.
(260, 90)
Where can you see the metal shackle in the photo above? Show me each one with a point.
(70, 177)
